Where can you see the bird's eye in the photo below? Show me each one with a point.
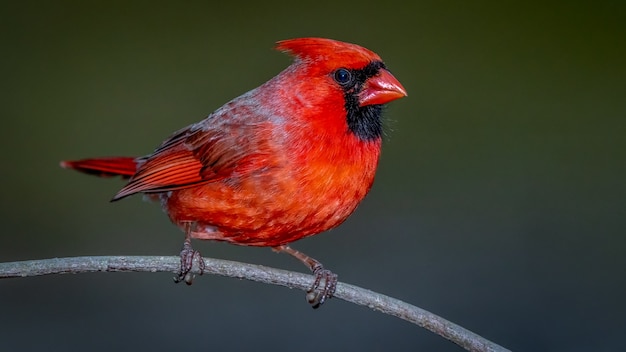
(343, 76)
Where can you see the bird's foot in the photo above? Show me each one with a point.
(323, 287)
(187, 257)
(325, 282)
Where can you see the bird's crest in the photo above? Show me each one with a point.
(331, 51)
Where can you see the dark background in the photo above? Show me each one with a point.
(499, 204)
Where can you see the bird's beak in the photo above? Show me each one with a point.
(381, 89)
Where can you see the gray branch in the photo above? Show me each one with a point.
(376, 301)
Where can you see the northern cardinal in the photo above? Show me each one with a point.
(289, 159)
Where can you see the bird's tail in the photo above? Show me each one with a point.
(104, 167)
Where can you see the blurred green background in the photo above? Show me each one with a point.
(500, 201)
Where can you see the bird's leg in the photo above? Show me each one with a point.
(187, 257)
(315, 296)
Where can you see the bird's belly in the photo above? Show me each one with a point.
(257, 213)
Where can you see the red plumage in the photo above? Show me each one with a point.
(104, 167)
(289, 159)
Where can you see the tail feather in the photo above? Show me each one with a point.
(104, 167)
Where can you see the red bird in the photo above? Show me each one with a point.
(289, 159)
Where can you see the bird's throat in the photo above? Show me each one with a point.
(363, 121)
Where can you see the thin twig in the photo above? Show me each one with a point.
(388, 305)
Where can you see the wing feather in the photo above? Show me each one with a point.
(205, 152)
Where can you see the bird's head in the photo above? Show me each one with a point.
(329, 72)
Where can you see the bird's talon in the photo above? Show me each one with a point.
(187, 257)
(323, 287)
(189, 278)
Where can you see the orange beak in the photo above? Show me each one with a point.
(381, 89)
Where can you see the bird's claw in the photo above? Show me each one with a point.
(323, 287)
(187, 257)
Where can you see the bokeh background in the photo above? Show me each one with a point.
(500, 201)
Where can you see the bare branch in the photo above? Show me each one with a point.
(388, 305)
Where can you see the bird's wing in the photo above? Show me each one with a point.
(210, 151)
